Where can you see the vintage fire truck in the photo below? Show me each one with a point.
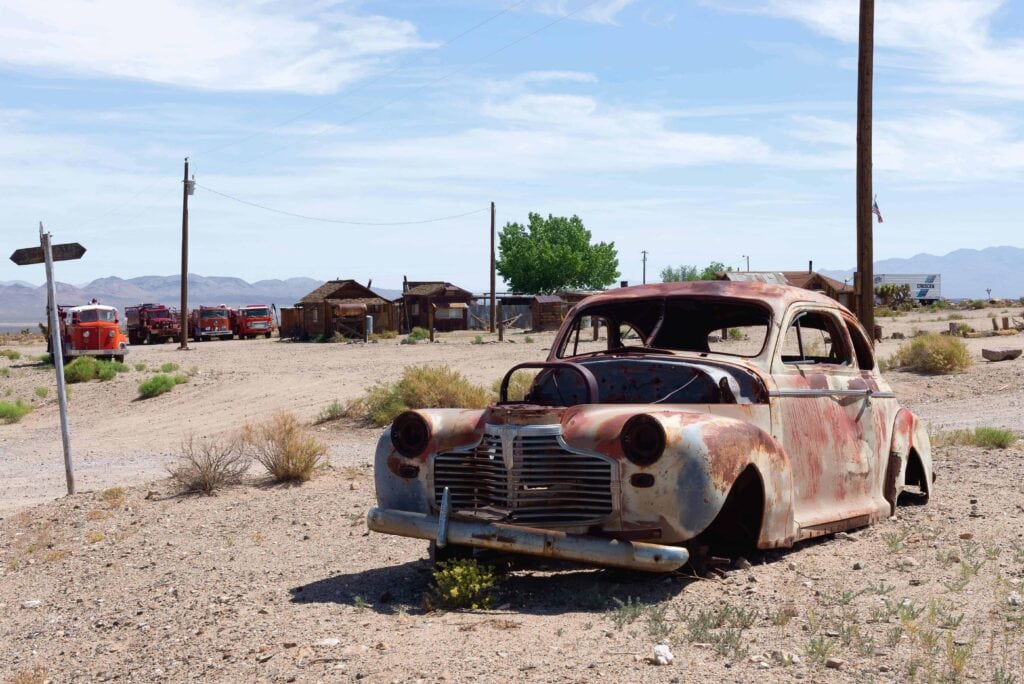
(209, 323)
(152, 323)
(251, 320)
(90, 330)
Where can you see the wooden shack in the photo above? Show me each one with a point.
(808, 280)
(341, 306)
(450, 304)
(547, 312)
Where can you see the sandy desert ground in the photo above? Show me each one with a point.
(265, 583)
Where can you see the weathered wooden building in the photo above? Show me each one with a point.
(547, 312)
(450, 304)
(341, 306)
(808, 280)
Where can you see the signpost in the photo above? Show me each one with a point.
(47, 253)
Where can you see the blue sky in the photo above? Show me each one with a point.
(699, 131)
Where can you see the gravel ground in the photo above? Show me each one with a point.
(130, 581)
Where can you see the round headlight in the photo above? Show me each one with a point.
(85, 334)
(643, 439)
(410, 434)
(110, 333)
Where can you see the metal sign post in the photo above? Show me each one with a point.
(47, 253)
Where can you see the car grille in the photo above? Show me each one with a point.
(547, 484)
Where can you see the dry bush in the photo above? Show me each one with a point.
(933, 354)
(985, 437)
(419, 387)
(285, 448)
(209, 464)
(518, 385)
(37, 675)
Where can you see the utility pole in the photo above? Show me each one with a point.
(493, 273)
(185, 187)
(644, 252)
(747, 257)
(865, 281)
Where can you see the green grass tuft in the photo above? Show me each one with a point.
(13, 412)
(419, 387)
(11, 354)
(156, 385)
(168, 367)
(933, 354)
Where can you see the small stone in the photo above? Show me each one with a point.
(1014, 599)
(663, 655)
(845, 536)
(763, 665)
(908, 562)
(916, 582)
(290, 644)
(31, 603)
(328, 642)
(966, 535)
(265, 657)
(743, 564)
(858, 565)
(808, 584)
(835, 663)
(883, 668)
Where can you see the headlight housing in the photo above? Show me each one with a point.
(643, 439)
(410, 434)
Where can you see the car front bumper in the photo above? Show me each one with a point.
(529, 541)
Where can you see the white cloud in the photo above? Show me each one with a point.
(308, 46)
(949, 40)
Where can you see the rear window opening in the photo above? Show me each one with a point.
(736, 327)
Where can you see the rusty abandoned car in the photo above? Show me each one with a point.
(706, 413)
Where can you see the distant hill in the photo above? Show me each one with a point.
(25, 304)
(966, 273)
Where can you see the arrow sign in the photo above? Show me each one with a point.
(69, 251)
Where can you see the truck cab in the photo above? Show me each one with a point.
(152, 323)
(252, 320)
(91, 330)
(210, 322)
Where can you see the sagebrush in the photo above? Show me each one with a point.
(419, 387)
(933, 354)
(208, 464)
(282, 446)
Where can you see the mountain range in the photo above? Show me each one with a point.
(966, 273)
(23, 304)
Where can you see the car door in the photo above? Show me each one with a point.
(823, 416)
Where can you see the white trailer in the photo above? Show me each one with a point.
(925, 288)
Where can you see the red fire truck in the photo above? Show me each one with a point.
(151, 323)
(252, 320)
(90, 330)
(209, 323)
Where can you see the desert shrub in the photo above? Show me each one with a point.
(409, 340)
(528, 340)
(106, 372)
(11, 354)
(42, 392)
(938, 305)
(209, 464)
(977, 304)
(421, 387)
(986, 437)
(180, 378)
(886, 312)
(155, 386)
(736, 334)
(285, 449)
(955, 317)
(81, 369)
(478, 340)
(5, 372)
(140, 367)
(462, 584)
(332, 411)
(419, 333)
(518, 385)
(12, 412)
(933, 354)
(384, 335)
(168, 367)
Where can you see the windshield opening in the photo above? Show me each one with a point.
(96, 316)
(737, 327)
(213, 313)
(255, 313)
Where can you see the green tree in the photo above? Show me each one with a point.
(554, 253)
(687, 273)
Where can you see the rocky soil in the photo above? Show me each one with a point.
(130, 581)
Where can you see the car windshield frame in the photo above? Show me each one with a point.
(213, 313)
(255, 313)
(630, 311)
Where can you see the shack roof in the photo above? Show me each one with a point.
(436, 287)
(343, 290)
(808, 280)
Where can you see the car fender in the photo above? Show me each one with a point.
(704, 455)
(396, 485)
(908, 434)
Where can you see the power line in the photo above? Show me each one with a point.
(342, 221)
(440, 79)
(365, 84)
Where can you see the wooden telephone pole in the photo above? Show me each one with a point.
(493, 276)
(864, 284)
(185, 187)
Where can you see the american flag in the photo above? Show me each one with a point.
(876, 211)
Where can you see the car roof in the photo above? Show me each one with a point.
(777, 297)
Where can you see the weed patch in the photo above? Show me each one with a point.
(933, 354)
(986, 437)
(12, 412)
(419, 387)
(11, 354)
(168, 367)
(209, 464)
(285, 449)
(155, 386)
(332, 411)
(462, 584)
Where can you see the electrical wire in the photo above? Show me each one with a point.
(342, 221)
(365, 84)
